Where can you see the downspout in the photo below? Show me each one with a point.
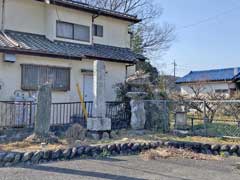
(3, 16)
(94, 16)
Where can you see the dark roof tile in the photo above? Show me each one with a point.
(209, 75)
(39, 43)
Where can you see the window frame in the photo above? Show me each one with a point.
(65, 89)
(221, 91)
(73, 31)
(95, 31)
(59, 36)
(79, 25)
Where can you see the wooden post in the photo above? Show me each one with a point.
(82, 101)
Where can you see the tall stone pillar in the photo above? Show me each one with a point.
(99, 109)
(99, 122)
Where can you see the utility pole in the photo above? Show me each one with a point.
(174, 68)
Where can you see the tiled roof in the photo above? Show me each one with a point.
(75, 4)
(40, 45)
(237, 77)
(209, 75)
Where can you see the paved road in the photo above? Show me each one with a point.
(126, 168)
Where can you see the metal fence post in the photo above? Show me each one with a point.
(30, 118)
(192, 124)
(165, 121)
(205, 118)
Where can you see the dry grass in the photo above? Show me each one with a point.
(165, 153)
(123, 136)
(150, 136)
(25, 146)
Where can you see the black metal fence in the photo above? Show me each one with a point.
(120, 114)
(23, 114)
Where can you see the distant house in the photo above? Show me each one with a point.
(222, 81)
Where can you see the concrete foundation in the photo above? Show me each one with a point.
(99, 124)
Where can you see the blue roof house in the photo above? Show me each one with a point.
(214, 80)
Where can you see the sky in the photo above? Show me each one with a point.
(207, 35)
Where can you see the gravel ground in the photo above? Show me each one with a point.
(126, 167)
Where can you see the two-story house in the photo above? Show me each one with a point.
(59, 40)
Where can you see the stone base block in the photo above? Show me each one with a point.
(99, 124)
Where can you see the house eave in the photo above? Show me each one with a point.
(209, 81)
(37, 53)
(94, 11)
(109, 59)
(53, 55)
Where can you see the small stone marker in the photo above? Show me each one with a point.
(180, 120)
(42, 123)
(99, 122)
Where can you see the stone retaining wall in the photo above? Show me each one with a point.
(15, 159)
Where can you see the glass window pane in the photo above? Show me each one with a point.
(81, 33)
(29, 77)
(64, 30)
(98, 30)
(33, 76)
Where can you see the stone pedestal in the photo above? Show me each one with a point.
(99, 122)
(138, 118)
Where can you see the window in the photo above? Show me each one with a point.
(73, 31)
(64, 30)
(221, 91)
(35, 75)
(81, 33)
(98, 30)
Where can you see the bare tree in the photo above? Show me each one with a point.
(201, 97)
(148, 36)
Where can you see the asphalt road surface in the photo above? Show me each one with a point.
(126, 168)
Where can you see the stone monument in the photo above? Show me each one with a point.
(43, 117)
(42, 123)
(99, 123)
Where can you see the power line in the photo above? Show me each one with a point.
(209, 18)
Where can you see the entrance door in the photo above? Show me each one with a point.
(88, 87)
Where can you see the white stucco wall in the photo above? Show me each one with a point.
(207, 88)
(10, 75)
(40, 18)
(114, 32)
(25, 16)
